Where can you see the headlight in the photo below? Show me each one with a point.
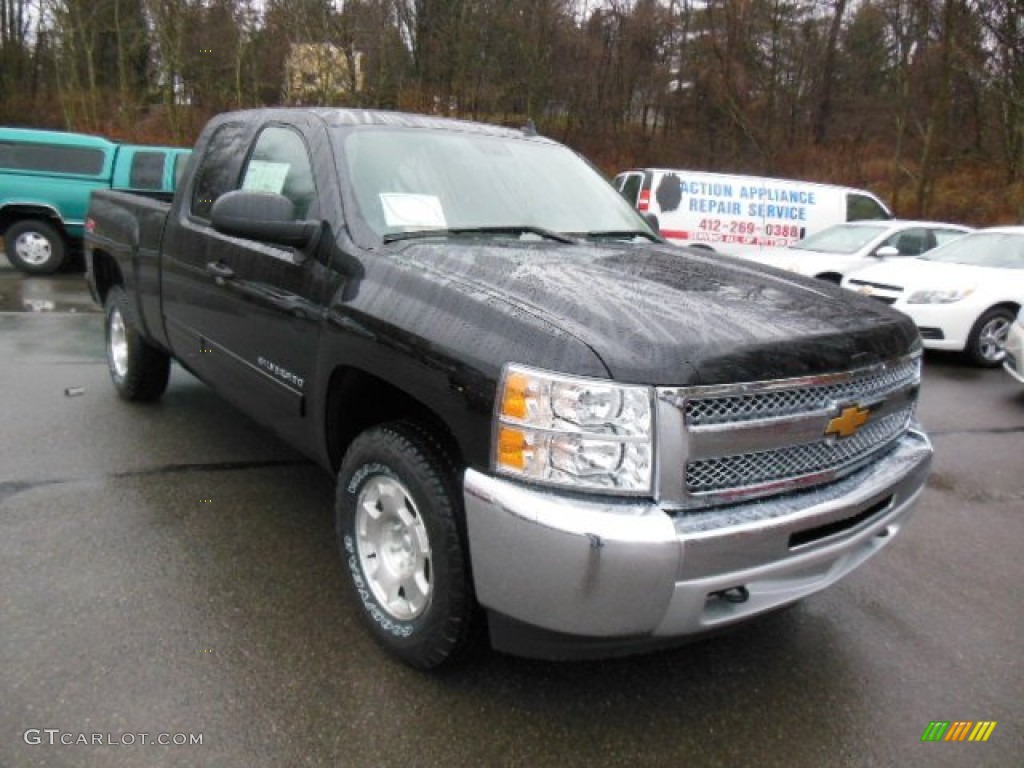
(588, 434)
(947, 296)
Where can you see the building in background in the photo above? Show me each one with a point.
(321, 73)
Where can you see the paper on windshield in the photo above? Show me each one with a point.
(412, 210)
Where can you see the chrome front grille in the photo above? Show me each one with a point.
(720, 444)
(752, 469)
(722, 409)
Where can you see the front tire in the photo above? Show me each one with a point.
(138, 369)
(987, 339)
(35, 247)
(398, 517)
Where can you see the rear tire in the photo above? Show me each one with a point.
(987, 339)
(138, 369)
(399, 529)
(35, 247)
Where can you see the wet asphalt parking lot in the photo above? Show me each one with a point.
(171, 570)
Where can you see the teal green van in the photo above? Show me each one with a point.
(46, 178)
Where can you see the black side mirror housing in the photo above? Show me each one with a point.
(652, 222)
(262, 216)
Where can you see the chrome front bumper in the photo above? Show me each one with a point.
(559, 572)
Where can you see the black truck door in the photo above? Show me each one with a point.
(260, 327)
(187, 288)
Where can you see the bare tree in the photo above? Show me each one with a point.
(828, 71)
(1004, 22)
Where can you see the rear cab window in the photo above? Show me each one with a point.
(180, 163)
(219, 170)
(147, 171)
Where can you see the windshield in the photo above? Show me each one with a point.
(415, 180)
(841, 238)
(982, 249)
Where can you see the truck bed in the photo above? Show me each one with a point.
(130, 227)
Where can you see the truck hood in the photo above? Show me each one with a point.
(664, 315)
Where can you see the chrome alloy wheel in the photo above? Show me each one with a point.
(992, 338)
(33, 248)
(393, 547)
(117, 346)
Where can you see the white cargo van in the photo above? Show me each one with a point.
(741, 214)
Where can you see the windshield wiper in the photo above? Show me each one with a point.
(619, 234)
(517, 229)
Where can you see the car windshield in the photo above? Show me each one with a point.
(424, 181)
(982, 249)
(842, 238)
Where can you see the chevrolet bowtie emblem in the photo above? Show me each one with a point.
(848, 421)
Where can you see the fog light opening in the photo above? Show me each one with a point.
(738, 594)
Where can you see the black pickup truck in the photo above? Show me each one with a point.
(545, 422)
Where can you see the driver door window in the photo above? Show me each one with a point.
(910, 242)
(280, 164)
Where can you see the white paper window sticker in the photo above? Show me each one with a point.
(263, 176)
(410, 210)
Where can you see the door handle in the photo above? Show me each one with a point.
(219, 270)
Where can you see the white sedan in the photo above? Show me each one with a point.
(834, 252)
(962, 296)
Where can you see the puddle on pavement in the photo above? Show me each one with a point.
(51, 293)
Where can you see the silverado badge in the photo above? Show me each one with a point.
(848, 421)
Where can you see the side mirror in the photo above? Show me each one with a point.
(887, 252)
(262, 216)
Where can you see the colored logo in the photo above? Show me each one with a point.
(848, 421)
(958, 730)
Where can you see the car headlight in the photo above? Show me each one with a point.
(587, 434)
(946, 296)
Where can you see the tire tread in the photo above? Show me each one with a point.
(148, 367)
(447, 638)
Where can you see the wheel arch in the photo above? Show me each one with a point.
(973, 349)
(105, 273)
(11, 213)
(356, 400)
(830, 277)
(1009, 304)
